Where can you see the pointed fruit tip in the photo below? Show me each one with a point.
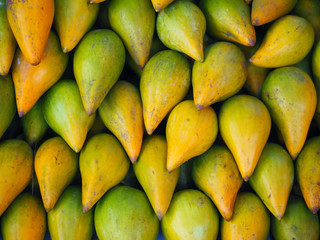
(65, 50)
(48, 209)
(90, 112)
(251, 42)
(314, 210)
(21, 113)
(133, 159)
(150, 131)
(199, 106)
(85, 208)
(159, 215)
(246, 178)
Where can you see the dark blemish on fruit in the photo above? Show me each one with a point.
(269, 195)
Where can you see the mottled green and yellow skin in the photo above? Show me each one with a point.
(165, 81)
(7, 41)
(191, 215)
(216, 173)
(310, 10)
(67, 221)
(64, 112)
(103, 164)
(291, 98)
(98, 62)
(245, 124)
(251, 219)
(229, 20)
(31, 82)
(297, 223)
(308, 173)
(16, 164)
(221, 75)
(151, 172)
(125, 213)
(181, 26)
(134, 22)
(55, 165)
(121, 112)
(316, 79)
(7, 103)
(33, 124)
(264, 11)
(287, 41)
(190, 132)
(272, 178)
(30, 22)
(24, 219)
(72, 19)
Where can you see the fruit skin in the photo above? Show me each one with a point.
(251, 220)
(31, 22)
(31, 82)
(190, 132)
(134, 22)
(273, 177)
(33, 124)
(291, 108)
(191, 215)
(152, 173)
(16, 163)
(55, 165)
(7, 41)
(71, 13)
(256, 77)
(125, 213)
(216, 174)
(103, 164)
(121, 112)
(158, 5)
(287, 41)
(245, 124)
(67, 221)
(264, 11)
(97, 64)
(229, 20)
(297, 223)
(65, 114)
(316, 78)
(308, 173)
(221, 75)
(165, 81)
(7, 103)
(24, 219)
(181, 26)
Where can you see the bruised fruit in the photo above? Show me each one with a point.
(229, 20)
(152, 173)
(251, 220)
(121, 112)
(7, 41)
(216, 173)
(264, 11)
(31, 22)
(221, 75)
(24, 219)
(181, 26)
(33, 124)
(103, 164)
(191, 215)
(65, 114)
(134, 22)
(291, 98)
(72, 19)
(31, 82)
(287, 41)
(97, 64)
(125, 213)
(190, 132)
(7, 103)
(16, 164)
(297, 223)
(273, 178)
(308, 173)
(67, 221)
(165, 81)
(245, 124)
(55, 165)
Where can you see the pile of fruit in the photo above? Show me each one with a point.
(121, 117)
